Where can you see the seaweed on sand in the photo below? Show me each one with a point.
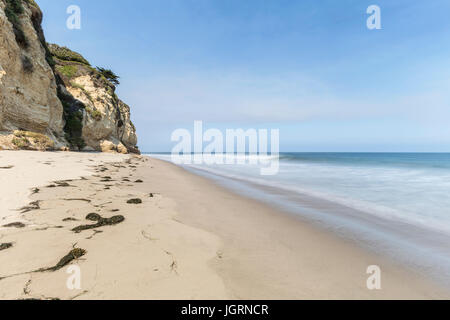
(69, 219)
(134, 201)
(101, 222)
(32, 206)
(62, 184)
(14, 225)
(5, 246)
(74, 254)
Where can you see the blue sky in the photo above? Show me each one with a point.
(309, 68)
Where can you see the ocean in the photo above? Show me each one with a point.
(392, 203)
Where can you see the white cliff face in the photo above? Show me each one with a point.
(106, 122)
(71, 103)
(127, 132)
(99, 122)
(28, 97)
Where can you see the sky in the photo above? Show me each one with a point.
(310, 68)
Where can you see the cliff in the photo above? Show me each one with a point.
(51, 98)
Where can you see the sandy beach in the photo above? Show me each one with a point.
(141, 228)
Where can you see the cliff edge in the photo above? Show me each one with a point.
(51, 98)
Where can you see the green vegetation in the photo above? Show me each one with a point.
(66, 54)
(97, 115)
(23, 139)
(77, 86)
(109, 75)
(68, 71)
(48, 56)
(20, 143)
(74, 128)
(73, 116)
(13, 10)
(32, 3)
(27, 64)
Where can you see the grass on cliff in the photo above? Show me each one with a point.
(97, 115)
(32, 3)
(27, 64)
(83, 89)
(27, 139)
(64, 53)
(13, 10)
(20, 143)
(68, 71)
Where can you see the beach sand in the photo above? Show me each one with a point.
(188, 239)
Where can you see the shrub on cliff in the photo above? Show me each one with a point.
(13, 10)
(27, 64)
(33, 140)
(73, 127)
(66, 54)
(109, 75)
(94, 113)
(68, 71)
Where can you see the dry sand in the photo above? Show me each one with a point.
(188, 239)
(31, 169)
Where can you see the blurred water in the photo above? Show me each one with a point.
(395, 203)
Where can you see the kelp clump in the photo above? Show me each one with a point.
(74, 254)
(101, 222)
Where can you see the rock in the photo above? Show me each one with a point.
(105, 116)
(55, 92)
(28, 100)
(122, 149)
(88, 149)
(107, 146)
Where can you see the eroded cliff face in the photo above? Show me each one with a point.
(50, 96)
(91, 104)
(28, 99)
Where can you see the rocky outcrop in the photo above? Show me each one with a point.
(28, 99)
(96, 118)
(54, 92)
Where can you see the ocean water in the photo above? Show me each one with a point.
(393, 203)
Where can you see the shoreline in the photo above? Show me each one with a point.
(399, 241)
(189, 239)
(339, 249)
